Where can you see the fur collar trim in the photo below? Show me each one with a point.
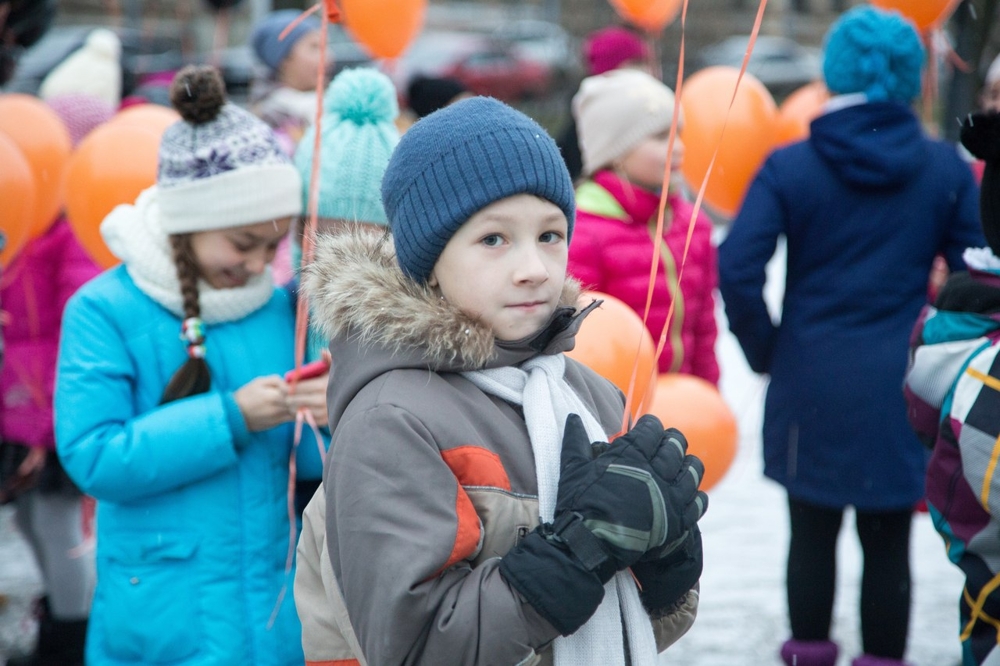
(356, 288)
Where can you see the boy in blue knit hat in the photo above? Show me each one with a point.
(286, 98)
(474, 510)
(358, 135)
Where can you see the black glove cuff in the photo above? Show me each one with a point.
(569, 532)
(554, 581)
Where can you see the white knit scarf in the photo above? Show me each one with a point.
(539, 386)
(133, 234)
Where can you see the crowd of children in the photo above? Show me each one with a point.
(479, 501)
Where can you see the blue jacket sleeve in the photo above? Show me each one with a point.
(743, 257)
(110, 451)
(963, 230)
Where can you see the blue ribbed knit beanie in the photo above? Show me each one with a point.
(459, 160)
(874, 52)
(265, 35)
(358, 136)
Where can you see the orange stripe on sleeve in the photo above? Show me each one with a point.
(476, 466)
(467, 532)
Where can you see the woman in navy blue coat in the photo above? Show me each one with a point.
(865, 205)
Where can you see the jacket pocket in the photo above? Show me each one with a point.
(149, 597)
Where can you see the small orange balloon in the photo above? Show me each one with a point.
(153, 117)
(385, 27)
(44, 141)
(17, 198)
(651, 15)
(925, 14)
(696, 408)
(750, 127)
(608, 341)
(798, 111)
(111, 166)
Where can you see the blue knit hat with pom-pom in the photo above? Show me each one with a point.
(874, 52)
(358, 136)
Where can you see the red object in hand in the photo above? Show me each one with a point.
(308, 371)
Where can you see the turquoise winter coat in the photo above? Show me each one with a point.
(192, 534)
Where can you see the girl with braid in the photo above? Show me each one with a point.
(186, 444)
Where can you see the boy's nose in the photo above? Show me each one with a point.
(530, 268)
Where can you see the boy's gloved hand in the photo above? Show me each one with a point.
(637, 496)
(640, 497)
(665, 582)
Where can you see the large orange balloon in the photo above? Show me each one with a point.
(153, 117)
(748, 138)
(385, 27)
(111, 166)
(44, 141)
(695, 407)
(796, 112)
(925, 14)
(652, 15)
(17, 198)
(608, 342)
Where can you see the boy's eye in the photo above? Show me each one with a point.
(550, 237)
(492, 240)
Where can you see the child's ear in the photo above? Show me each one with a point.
(432, 280)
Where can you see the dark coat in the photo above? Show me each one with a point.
(865, 204)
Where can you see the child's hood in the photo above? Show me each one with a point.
(378, 319)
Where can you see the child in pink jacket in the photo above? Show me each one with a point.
(623, 120)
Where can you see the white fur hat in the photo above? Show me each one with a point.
(94, 69)
(615, 111)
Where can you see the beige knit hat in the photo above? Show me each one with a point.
(615, 111)
(93, 69)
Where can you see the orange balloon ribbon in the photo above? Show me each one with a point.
(654, 266)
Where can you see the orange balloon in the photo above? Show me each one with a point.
(17, 198)
(385, 27)
(925, 14)
(608, 342)
(748, 138)
(153, 117)
(796, 112)
(652, 15)
(44, 141)
(696, 408)
(111, 166)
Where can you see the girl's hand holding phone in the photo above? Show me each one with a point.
(263, 403)
(310, 390)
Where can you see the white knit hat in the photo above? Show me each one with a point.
(220, 167)
(615, 111)
(93, 69)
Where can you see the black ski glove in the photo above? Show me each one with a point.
(639, 495)
(666, 581)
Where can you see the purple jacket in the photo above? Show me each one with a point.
(33, 293)
(611, 252)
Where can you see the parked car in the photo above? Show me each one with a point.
(485, 65)
(781, 64)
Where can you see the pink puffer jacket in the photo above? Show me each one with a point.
(611, 251)
(35, 288)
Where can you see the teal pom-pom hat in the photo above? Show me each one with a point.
(358, 135)
(874, 52)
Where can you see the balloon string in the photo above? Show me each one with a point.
(655, 263)
(298, 19)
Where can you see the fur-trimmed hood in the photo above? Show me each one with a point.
(377, 319)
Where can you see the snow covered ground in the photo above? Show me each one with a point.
(742, 617)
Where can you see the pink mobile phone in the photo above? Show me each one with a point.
(308, 371)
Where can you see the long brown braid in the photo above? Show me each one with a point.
(193, 377)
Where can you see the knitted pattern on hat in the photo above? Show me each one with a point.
(615, 111)
(93, 69)
(358, 136)
(874, 52)
(220, 167)
(459, 160)
(609, 48)
(266, 35)
(81, 113)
